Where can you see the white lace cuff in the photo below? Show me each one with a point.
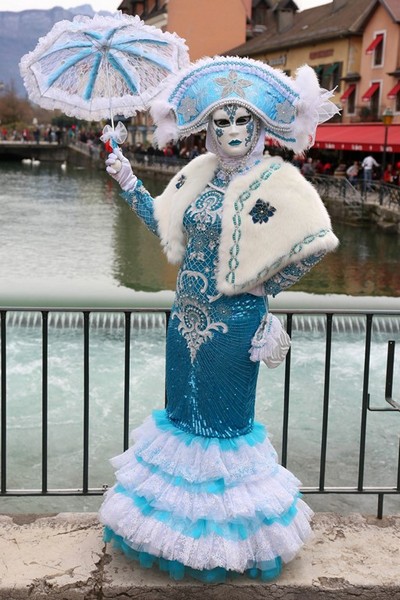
(270, 342)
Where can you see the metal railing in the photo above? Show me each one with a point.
(385, 194)
(325, 322)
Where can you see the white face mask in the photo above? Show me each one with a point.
(234, 129)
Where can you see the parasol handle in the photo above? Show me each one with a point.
(112, 138)
(117, 134)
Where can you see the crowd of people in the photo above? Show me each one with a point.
(50, 133)
(360, 173)
(369, 170)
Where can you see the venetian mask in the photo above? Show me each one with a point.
(234, 129)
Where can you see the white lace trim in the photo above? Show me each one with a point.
(272, 494)
(146, 534)
(194, 462)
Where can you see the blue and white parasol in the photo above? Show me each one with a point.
(97, 68)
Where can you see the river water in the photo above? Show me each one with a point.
(67, 238)
(71, 229)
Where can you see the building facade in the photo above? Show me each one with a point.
(209, 26)
(347, 43)
(379, 87)
(353, 45)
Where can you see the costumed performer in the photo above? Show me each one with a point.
(200, 491)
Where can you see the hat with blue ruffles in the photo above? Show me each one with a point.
(290, 108)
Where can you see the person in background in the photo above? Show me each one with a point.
(388, 174)
(308, 168)
(395, 176)
(368, 165)
(319, 167)
(352, 172)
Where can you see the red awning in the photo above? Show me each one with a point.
(363, 137)
(348, 93)
(375, 42)
(393, 93)
(370, 92)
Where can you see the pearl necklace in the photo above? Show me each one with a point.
(223, 175)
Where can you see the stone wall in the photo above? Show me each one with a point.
(371, 213)
(63, 557)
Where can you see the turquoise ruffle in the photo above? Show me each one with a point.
(238, 529)
(256, 436)
(269, 569)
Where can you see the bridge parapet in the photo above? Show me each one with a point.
(43, 151)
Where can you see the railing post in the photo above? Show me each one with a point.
(398, 470)
(3, 418)
(85, 485)
(289, 320)
(167, 318)
(365, 398)
(45, 332)
(324, 438)
(127, 377)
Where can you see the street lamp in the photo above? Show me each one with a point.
(387, 118)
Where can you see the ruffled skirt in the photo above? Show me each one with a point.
(204, 507)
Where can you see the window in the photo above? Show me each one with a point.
(351, 103)
(336, 75)
(318, 71)
(330, 75)
(376, 49)
(349, 97)
(372, 96)
(394, 94)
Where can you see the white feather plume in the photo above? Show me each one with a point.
(313, 108)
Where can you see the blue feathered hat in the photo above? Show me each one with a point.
(290, 108)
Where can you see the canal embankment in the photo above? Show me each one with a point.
(369, 213)
(371, 209)
(380, 207)
(63, 557)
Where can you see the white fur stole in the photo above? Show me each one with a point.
(272, 217)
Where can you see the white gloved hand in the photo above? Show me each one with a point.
(119, 167)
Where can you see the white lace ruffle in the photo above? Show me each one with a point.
(254, 488)
(146, 534)
(271, 494)
(194, 462)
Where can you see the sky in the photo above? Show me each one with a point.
(109, 5)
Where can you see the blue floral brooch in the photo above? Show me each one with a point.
(262, 212)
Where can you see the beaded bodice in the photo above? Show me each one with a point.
(200, 308)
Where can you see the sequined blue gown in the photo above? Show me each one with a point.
(200, 491)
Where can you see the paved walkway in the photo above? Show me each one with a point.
(63, 557)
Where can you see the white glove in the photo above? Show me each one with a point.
(120, 169)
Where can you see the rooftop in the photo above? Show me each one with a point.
(337, 19)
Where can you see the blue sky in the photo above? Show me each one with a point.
(109, 5)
